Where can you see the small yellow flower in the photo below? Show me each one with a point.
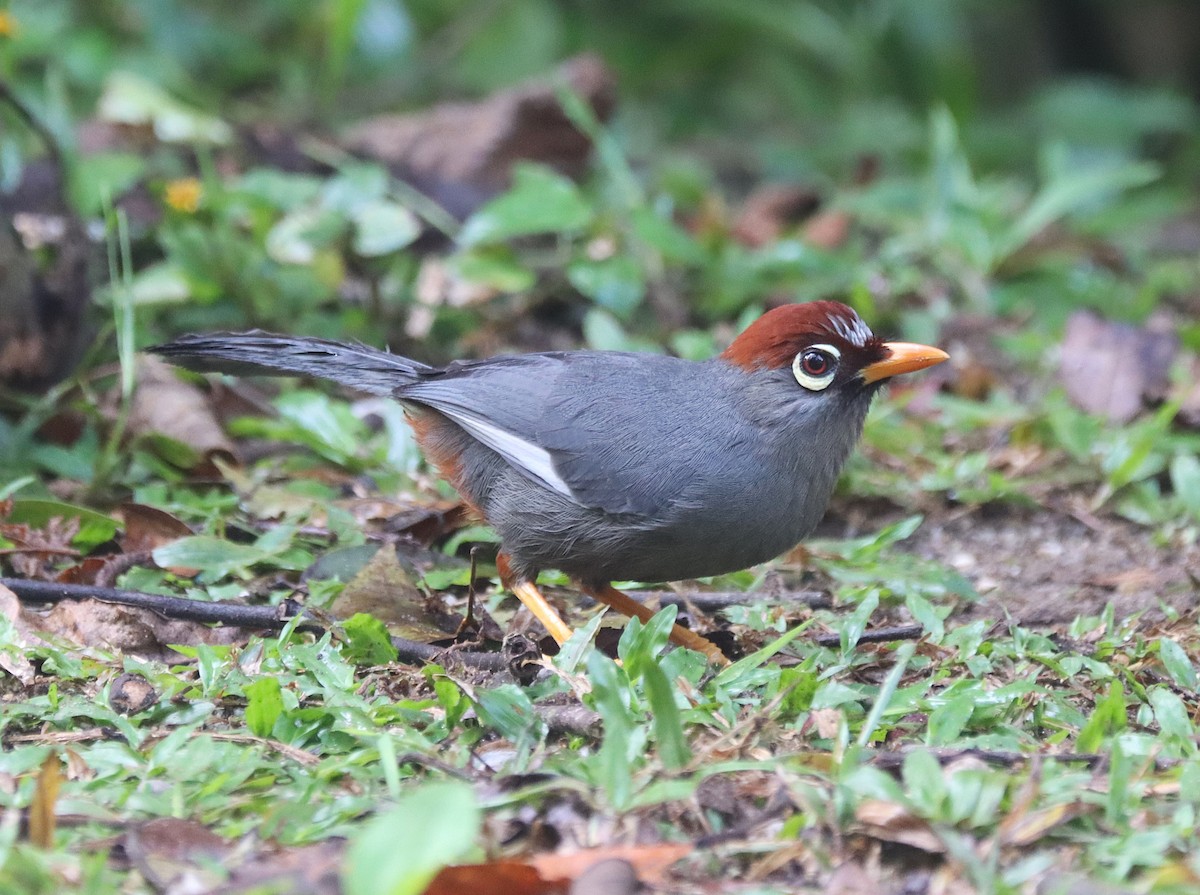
(8, 24)
(184, 194)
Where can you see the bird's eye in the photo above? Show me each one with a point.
(815, 366)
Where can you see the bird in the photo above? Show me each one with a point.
(617, 466)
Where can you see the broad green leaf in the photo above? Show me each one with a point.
(214, 556)
(540, 201)
(399, 852)
(616, 284)
(382, 226)
(94, 528)
(1177, 663)
(369, 643)
(264, 706)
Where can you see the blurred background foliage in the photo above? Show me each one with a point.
(981, 127)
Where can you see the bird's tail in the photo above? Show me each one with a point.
(258, 353)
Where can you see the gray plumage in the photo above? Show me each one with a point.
(604, 465)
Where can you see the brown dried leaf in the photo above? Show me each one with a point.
(496, 878)
(894, 823)
(461, 154)
(608, 870)
(45, 796)
(128, 629)
(22, 636)
(1025, 828)
(163, 404)
(148, 528)
(773, 210)
(384, 590)
(1111, 368)
(303, 870)
(168, 850)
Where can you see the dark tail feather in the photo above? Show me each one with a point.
(257, 353)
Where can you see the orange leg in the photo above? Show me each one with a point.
(626, 605)
(528, 593)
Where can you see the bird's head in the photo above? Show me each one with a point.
(827, 348)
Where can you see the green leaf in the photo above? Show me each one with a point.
(1106, 719)
(947, 721)
(1177, 663)
(382, 226)
(215, 556)
(94, 528)
(369, 642)
(399, 852)
(616, 284)
(131, 99)
(609, 688)
(1185, 479)
(508, 710)
(668, 726)
(264, 706)
(540, 201)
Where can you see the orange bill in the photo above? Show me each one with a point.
(905, 357)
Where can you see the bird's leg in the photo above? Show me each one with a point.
(527, 592)
(680, 635)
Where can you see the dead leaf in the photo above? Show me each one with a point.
(314, 869)
(384, 590)
(1025, 828)
(165, 405)
(496, 878)
(172, 853)
(45, 797)
(128, 629)
(462, 154)
(771, 211)
(827, 721)
(650, 862)
(14, 662)
(890, 822)
(1112, 369)
(148, 528)
(827, 230)
(608, 870)
(852, 879)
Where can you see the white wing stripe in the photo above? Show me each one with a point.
(533, 459)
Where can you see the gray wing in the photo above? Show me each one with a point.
(618, 432)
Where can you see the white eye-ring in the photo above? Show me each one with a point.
(815, 366)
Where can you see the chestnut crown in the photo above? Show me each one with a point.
(824, 342)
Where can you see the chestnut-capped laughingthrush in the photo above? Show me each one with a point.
(613, 466)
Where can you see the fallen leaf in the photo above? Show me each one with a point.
(1025, 828)
(128, 629)
(148, 528)
(45, 797)
(164, 405)
(496, 878)
(384, 590)
(1111, 368)
(773, 210)
(13, 661)
(890, 822)
(169, 850)
(462, 154)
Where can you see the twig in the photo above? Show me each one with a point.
(712, 601)
(1005, 758)
(879, 635)
(272, 618)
